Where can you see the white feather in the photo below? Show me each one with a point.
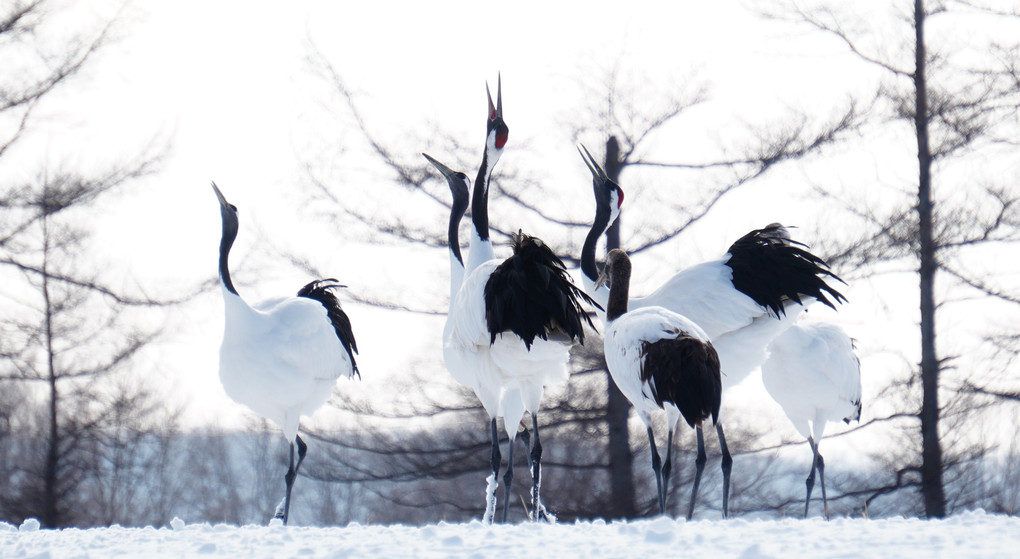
(623, 340)
(814, 374)
(280, 358)
(504, 373)
(740, 328)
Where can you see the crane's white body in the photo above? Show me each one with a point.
(813, 373)
(281, 358)
(507, 377)
(622, 343)
(705, 293)
(740, 328)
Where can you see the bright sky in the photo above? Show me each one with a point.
(227, 83)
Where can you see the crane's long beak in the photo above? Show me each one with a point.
(219, 195)
(596, 170)
(600, 180)
(497, 109)
(603, 278)
(446, 171)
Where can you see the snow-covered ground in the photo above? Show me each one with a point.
(972, 534)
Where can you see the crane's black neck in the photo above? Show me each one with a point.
(480, 198)
(619, 285)
(227, 241)
(457, 211)
(598, 228)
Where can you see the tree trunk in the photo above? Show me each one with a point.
(931, 449)
(50, 514)
(621, 461)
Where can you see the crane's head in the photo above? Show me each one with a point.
(608, 194)
(616, 271)
(459, 183)
(229, 213)
(496, 129)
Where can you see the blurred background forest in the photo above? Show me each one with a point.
(886, 132)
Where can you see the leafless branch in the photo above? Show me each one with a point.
(826, 21)
(789, 146)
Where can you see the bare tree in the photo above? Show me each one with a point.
(130, 481)
(67, 340)
(67, 328)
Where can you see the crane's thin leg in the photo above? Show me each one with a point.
(538, 510)
(525, 436)
(492, 481)
(820, 466)
(727, 467)
(667, 469)
(810, 481)
(699, 466)
(302, 450)
(283, 512)
(657, 468)
(508, 479)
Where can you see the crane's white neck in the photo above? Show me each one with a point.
(479, 251)
(456, 277)
(239, 316)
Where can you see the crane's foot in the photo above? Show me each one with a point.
(280, 512)
(490, 499)
(541, 514)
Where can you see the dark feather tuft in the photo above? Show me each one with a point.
(773, 269)
(531, 295)
(319, 290)
(686, 372)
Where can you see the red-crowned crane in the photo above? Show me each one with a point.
(282, 357)
(662, 362)
(462, 365)
(481, 380)
(813, 373)
(511, 325)
(515, 320)
(742, 301)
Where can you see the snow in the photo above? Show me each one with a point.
(490, 498)
(971, 534)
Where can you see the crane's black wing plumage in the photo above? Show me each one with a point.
(772, 269)
(685, 371)
(531, 295)
(319, 290)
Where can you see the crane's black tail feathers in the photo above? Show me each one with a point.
(771, 268)
(531, 295)
(319, 290)
(684, 371)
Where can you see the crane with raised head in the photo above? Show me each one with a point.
(282, 357)
(511, 324)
